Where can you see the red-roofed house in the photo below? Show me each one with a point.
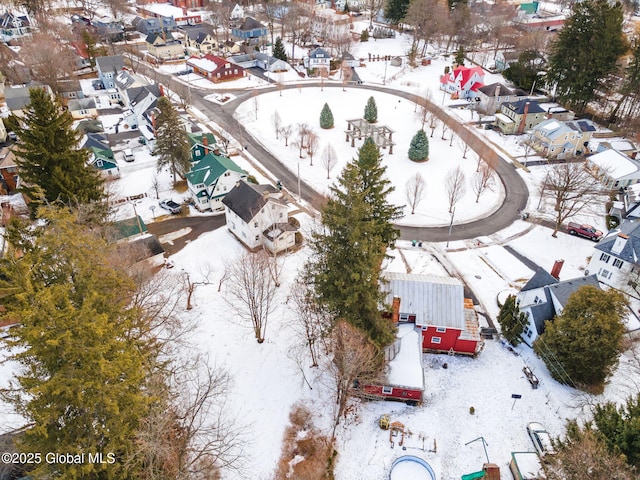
(463, 82)
(214, 68)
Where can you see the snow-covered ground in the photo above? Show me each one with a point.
(267, 378)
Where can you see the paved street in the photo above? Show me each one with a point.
(516, 193)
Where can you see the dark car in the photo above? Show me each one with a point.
(171, 206)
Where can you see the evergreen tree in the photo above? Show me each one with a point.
(371, 111)
(51, 165)
(582, 345)
(172, 140)
(419, 147)
(326, 117)
(459, 57)
(619, 427)
(345, 267)
(579, 66)
(396, 10)
(83, 366)
(278, 50)
(524, 72)
(512, 321)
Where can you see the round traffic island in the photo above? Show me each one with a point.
(410, 467)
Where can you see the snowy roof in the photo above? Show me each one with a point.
(165, 10)
(616, 165)
(529, 466)
(406, 368)
(208, 63)
(503, 118)
(437, 301)
(552, 128)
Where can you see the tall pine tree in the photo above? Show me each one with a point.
(419, 147)
(278, 50)
(345, 267)
(579, 66)
(172, 141)
(326, 117)
(51, 165)
(371, 111)
(82, 371)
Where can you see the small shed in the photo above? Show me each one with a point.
(526, 466)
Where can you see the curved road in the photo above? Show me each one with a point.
(516, 192)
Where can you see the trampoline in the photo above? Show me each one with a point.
(410, 467)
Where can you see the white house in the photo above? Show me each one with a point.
(237, 13)
(462, 81)
(616, 258)
(319, 59)
(211, 178)
(257, 216)
(614, 169)
(543, 298)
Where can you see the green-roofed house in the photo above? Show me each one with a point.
(211, 179)
(201, 144)
(105, 162)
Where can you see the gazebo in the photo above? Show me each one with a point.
(381, 134)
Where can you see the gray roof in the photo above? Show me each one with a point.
(563, 290)
(81, 103)
(491, 89)
(554, 290)
(319, 53)
(247, 199)
(436, 301)
(250, 24)
(136, 94)
(519, 106)
(17, 98)
(631, 250)
(96, 140)
(108, 64)
(540, 279)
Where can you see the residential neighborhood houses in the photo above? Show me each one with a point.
(256, 175)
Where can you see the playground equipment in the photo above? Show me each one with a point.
(490, 471)
(396, 429)
(410, 467)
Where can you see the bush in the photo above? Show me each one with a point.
(364, 36)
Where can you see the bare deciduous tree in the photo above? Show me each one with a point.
(329, 159)
(252, 290)
(312, 145)
(255, 103)
(445, 129)
(483, 179)
(584, 455)
(192, 285)
(48, 59)
(464, 146)
(189, 433)
(572, 189)
(354, 358)
(286, 132)
(455, 186)
(415, 190)
(276, 121)
(312, 322)
(433, 122)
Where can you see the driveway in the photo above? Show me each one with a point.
(193, 226)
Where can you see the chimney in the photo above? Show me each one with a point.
(557, 266)
(491, 471)
(205, 142)
(523, 122)
(161, 88)
(395, 310)
(497, 94)
(153, 122)
(618, 245)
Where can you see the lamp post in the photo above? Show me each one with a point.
(453, 213)
(135, 212)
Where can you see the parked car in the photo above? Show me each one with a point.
(128, 155)
(584, 230)
(541, 439)
(171, 206)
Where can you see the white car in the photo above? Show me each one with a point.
(541, 439)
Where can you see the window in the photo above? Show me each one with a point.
(618, 263)
(604, 257)
(606, 274)
(436, 340)
(387, 390)
(441, 329)
(404, 317)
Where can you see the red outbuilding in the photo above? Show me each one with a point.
(436, 305)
